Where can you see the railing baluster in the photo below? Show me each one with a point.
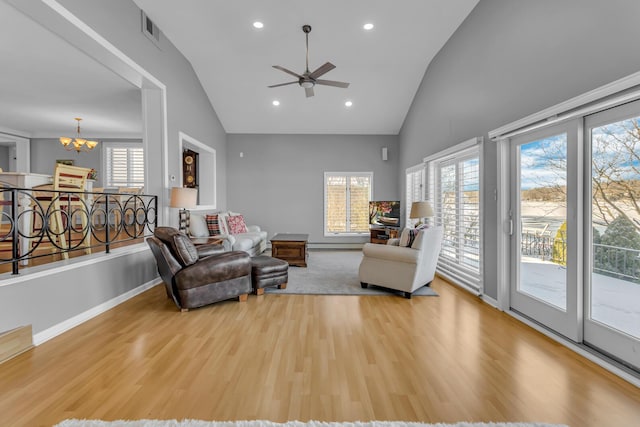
(106, 224)
(15, 248)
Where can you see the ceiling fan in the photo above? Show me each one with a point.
(308, 79)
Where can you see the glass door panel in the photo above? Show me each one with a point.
(612, 320)
(543, 220)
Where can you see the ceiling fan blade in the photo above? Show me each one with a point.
(277, 67)
(332, 83)
(282, 84)
(308, 91)
(323, 69)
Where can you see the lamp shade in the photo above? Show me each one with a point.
(421, 210)
(182, 197)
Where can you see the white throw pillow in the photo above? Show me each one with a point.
(417, 242)
(404, 237)
(198, 226)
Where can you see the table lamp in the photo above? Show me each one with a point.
(420, 210)
(183, 198)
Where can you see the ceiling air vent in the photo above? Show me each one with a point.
(150, 29)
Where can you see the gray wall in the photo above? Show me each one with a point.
(49, 300)
(45, 152)
(509, 59)
(278, 183)
(71, 292)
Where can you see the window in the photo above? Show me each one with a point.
(346, 202)
(415, 188)
(454, 190)
(123, 164)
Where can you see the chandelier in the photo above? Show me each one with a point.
(77, 143)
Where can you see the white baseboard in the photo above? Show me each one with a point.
(492, 302)
(54, 331)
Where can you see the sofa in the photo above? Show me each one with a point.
(403, 268)
(251, 240)
(198, 276)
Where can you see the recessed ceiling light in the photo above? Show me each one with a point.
(368, 26)
(348, 104)
(258, 25)
(276, 102)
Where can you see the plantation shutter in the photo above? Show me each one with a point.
(454, 191)
(346, 202)
(123, 165)
(414, 187)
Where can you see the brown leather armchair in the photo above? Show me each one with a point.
(199, 276)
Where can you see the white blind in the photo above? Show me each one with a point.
(414, 187)
(123, 165)
(454, 190)
(346, 202)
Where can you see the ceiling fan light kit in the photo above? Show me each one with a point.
(308, 80)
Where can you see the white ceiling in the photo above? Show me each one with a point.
(384, 66)
(46, 82)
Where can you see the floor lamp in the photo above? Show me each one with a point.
(183, 198)
(420, 210)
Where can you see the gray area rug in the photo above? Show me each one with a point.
(334, 273)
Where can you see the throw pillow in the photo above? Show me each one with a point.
(198, 226)
(182, 248)
(417, 242)
(236, 224)
(408, 236)
(404, 237)
(213, 225)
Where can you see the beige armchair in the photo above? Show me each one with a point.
(402, 268)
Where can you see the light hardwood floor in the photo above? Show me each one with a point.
(332, 358)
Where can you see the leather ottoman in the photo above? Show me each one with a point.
(267, 271)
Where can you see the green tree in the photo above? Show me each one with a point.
(612, 256)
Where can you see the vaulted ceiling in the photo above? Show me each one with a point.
(46, 82)
(384, 65)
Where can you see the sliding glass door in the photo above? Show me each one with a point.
(574, 223)
(612, 267)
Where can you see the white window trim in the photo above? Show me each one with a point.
(208, 161)
(324, 201)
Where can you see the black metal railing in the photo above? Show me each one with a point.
(68, 221)
(613, 261)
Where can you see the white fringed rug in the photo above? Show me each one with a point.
(196, 423)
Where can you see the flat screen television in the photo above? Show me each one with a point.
(384, 213)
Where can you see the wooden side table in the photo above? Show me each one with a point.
(291, 248)
(382, 235)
